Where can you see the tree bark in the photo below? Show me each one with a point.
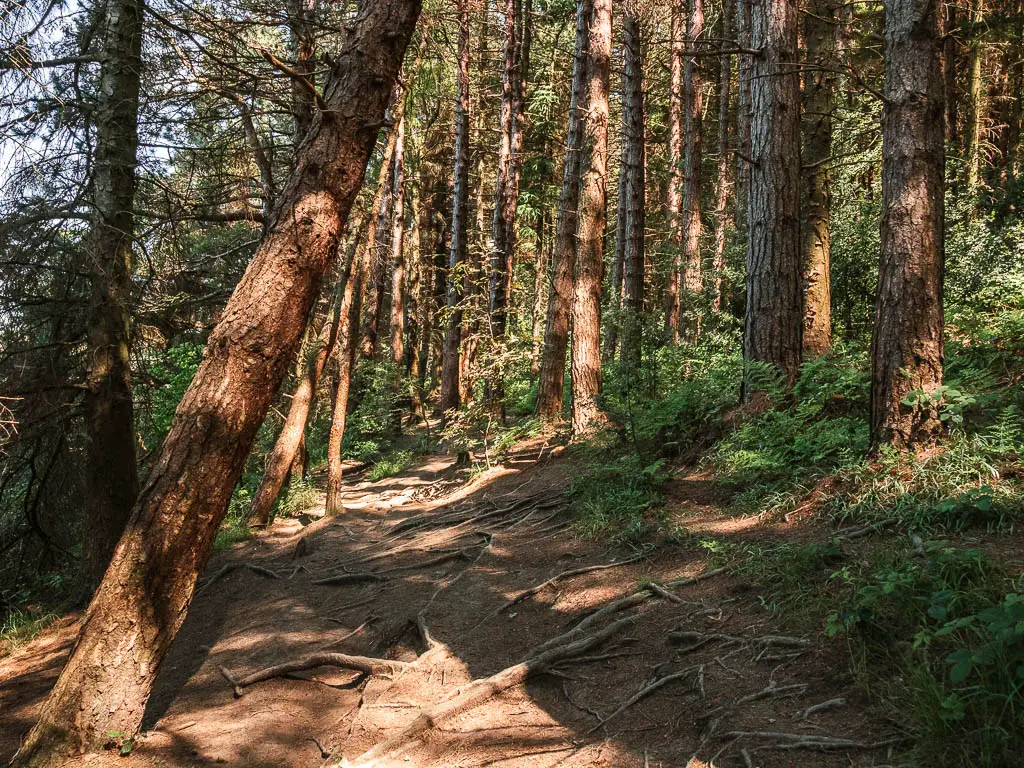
(563, 265)
(586, 309)
(774, 315)
(691, 223)
(744, 68)
(907, 344)
(634, 170)
(723, 182)
(673, 195)
(975, 99)
(458, 248)
(302, 26)
(820, 25)
(113, 481)
(398, 253)
(145, 594)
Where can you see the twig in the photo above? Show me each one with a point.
(647, 690)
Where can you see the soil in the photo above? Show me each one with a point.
(451, 550)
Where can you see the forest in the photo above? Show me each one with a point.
(512, 383)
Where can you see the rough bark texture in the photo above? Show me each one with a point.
(145, 594)
(563, 262)
(820, 24)
(694, 109)
(113, 481)
(460, 213)
(674, 193)
(744, 67)
(398, 253)
(302, 27)
(907, 345)
(975, 98)
(723, 181)
(586, 308)
(289, 441)
(774, 316)
(634, 168)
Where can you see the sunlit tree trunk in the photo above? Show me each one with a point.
(819, 86)
(773, 323)
(907, 344)
(586, 308)
(460, 212)
(112, 476)
(398, 253)
(563, 262)
(145, 594)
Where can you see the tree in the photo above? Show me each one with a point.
(693, 148)
(907, 343)
(563, 263)
(773, 321)
(723, 181)
(586, 308)
(145, 594)
(113, 480)
(673, 194)
(398, 254)
(460, 213)
(819, 86)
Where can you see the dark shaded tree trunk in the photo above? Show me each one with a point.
(563, 264)
(975, 98)
(112, 474)
(674, 193)
(907, 344)
(634, 170)
(744, 69)
(773, 323)
(586, 308)
(302, 26)
(145, 594)
(820, 26)
(691, 215)
(723, 182)
(457, 255)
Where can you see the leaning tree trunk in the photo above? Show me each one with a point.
(563, 261)
(907, 345)
(819, 86)
(586, 309)
(691, 218)
(113, 480)
(635, 157)
(145, 594)
(774, 316)
(673, 195)
(460, 213)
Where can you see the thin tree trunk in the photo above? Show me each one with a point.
(694, 110)
(145, 594)
(398, 254)
(586, 309)
(542, 266)
(460, 212)
(673, 197)
(975, 98)
(724, 180)
(774, 316)
(820, 24)
(907, 344)
(563, 265)
(744, 68)
(113, 480)
(949, 54)
(634, 170)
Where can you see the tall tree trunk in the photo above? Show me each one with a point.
(774, 316)
(563, 265)
(691, 224)
(506, 190)
(146, 591)
(949, 55)
(460, 212)
(286, 449)
(113, 480)
(975, 98)
(379, 251)
(723, 181)
(542, 267)
(398, 253)
(674, 193)
(907, 344)
(744, 69)
(820, 24)
(634, 170)
(586, 308)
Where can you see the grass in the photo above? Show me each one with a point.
(390, 465)
(22, 627)
(233, 530)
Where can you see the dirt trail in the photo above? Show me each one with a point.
(419, 570)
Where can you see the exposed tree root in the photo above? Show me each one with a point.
(644, 692)
(382, 575)
(697, 639)
(257, 569)
(810, 741)
(823, 707)
(362, 664)
(481, 690)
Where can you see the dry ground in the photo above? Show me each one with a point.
(427, 561)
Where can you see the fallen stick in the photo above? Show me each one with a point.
(647, 690)
(481, 690)
(823, 706)
(362, 664)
